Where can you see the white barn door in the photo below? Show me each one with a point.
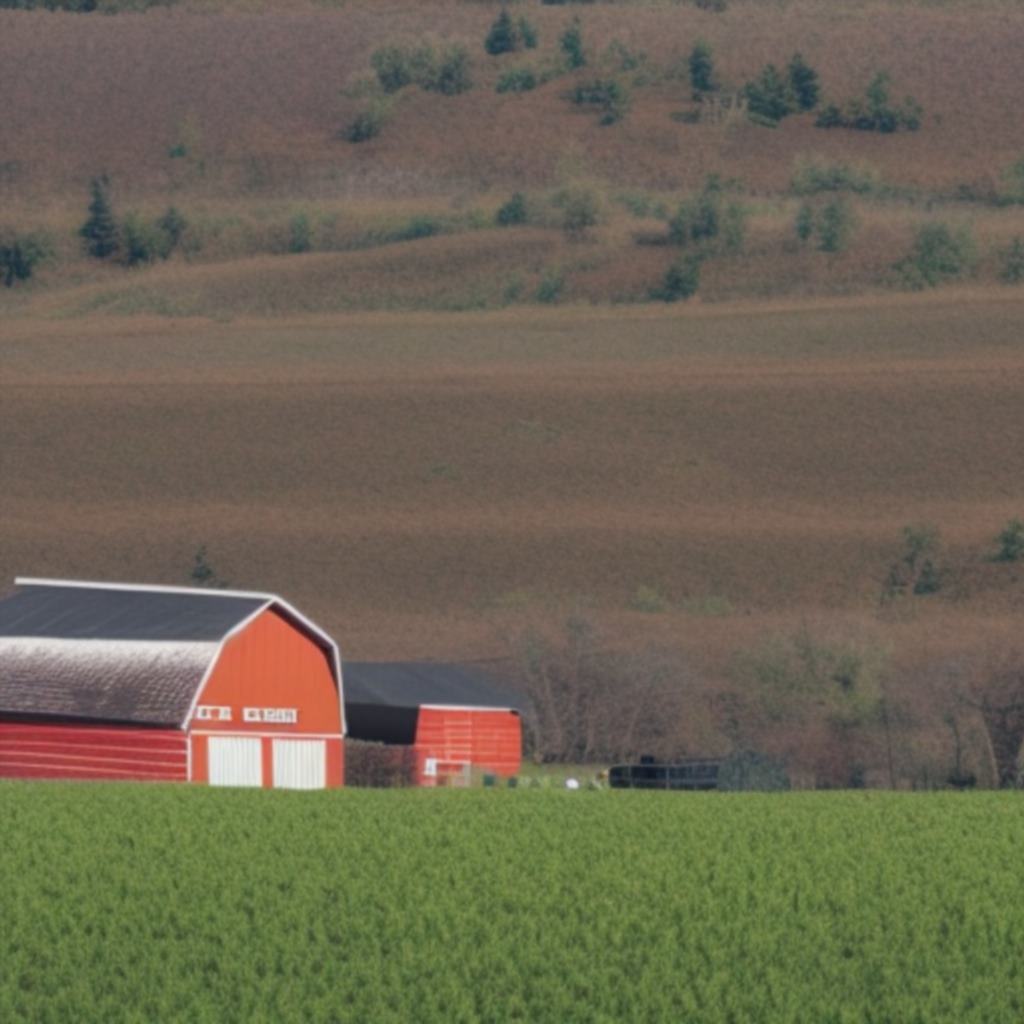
(300, 764)
(235, 761)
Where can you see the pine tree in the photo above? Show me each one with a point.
(803, 81)
(100, 230)
(502, 37)
(571, 42)
(702, 69)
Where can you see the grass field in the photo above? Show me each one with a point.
(148, 903)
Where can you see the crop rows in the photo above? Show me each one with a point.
(144, 903)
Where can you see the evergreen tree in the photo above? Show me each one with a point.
(572, 44)
(702, 69)
(100, 230)
(502, 37)
(803, 82)
(768, 95)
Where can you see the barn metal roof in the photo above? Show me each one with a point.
(410, 684)
(121, 652)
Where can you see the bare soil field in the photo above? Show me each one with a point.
(415, 481)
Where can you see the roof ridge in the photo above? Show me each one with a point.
(152, 588)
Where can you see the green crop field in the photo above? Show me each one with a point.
(144, 903)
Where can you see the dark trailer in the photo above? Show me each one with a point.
(688, 774)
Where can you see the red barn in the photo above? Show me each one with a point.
(455, 719)
(112, 681)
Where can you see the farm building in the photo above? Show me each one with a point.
(453, 718)
(110, 681)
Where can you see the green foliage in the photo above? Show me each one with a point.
(446, 71)
(804, 224)
(814, 175)
(20, 254)
(835, 225)
(715, 6)
(512, 212)
(581, 210)
(648, 599)
(658, 906)
(300, 234)
(571, 44)
(918, 570)
(938, 254)
(203, 573)
(172, 225)
(552, 283)
(769, 96)
(99, 232)
(527, 33)
(803, 83)
(702, 69)
(875, 112)
(1012, 259)
(367, 124)
(517, 80)
(681, 280)
(608, 95)
(140, 241)
(1010, 542)
(709, 220)
(502, 36)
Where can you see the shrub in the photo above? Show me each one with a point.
(875, 112)
(814, 175)
(648, 599)
(707, 220)
(804, 223)
(173, 227)
(917, 571)
(451, 74)
(527, 33)
(1012, 271)
(141, 242)
(99, 232)
(803, 83)
(716, 6)
(447, 72)
(513, 212)
(681, 280)
(517, 80)
(1011, 542)
(300, 234)
(938, 254)
(571, 43)
(394, 67)
(550, 288)
(702, 69)
(20, 255)
(581, 210)
(608, 95)
(502, 37)
(835, 225)
(366, 125)
(768, 96)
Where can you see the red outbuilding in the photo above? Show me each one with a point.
(113, 681)
(454, 718)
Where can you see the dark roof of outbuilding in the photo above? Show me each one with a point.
(411, 684)
(119, 653)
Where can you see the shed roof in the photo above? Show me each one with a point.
(121, 652)
(411, 684)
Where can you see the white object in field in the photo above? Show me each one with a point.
(235, 761)
(430, 766)
(572, 783)
(300, 764)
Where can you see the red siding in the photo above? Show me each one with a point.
(92, 752)
(491, 740)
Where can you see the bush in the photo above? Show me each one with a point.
(813, 176)
(648, 599)
(394, 67)
(768, 96)
(609, 96)
(451, 74)
(702, 69)
(141, 242)
(517, 80)
(804, 223)
(173, 227)
(938, 254)
(502, 37)
(379, 765)
(835, 225)
(875, 112)
(918, 570)
(571, 43)
(1012, 258)
(300, 234)
(550, 288)
(681, 280)
(99, 232)
(707, 220)
(527, 33)
(20, 255)
(513, 212)
(581, 210)
(803, 83)
(366, 125)
(1011, 542)
(447, 72)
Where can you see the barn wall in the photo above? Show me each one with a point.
(335, 769)
(491, 740)
(92, 752)
(271, 666)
